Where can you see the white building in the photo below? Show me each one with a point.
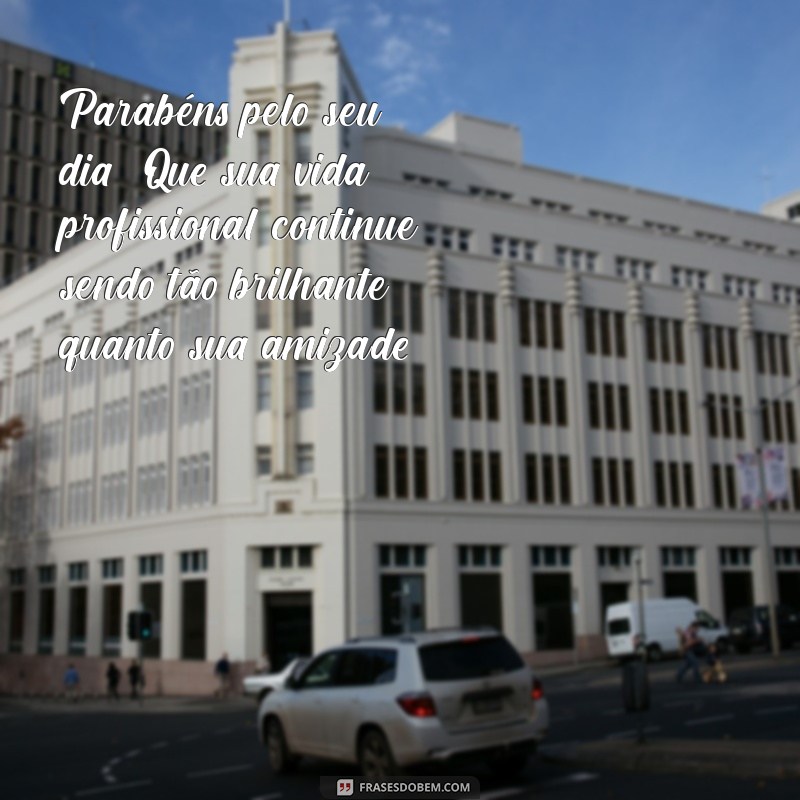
(583, 359)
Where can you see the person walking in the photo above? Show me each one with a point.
(112, 681)
(72, 682)
(692, 647)
(222, 670)
(136, 679)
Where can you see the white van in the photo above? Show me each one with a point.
(661, 618)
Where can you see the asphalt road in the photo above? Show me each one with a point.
(200, 750)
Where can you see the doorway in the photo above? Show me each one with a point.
(789, 589)
(737, 591)
(481, 601)
(680, 584)
(552, 611)
(193, 611)
(288, 627)
(610, 593)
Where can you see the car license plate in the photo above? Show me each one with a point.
(489, 706)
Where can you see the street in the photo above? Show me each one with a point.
(202, 749)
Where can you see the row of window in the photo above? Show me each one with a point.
(404, 383)
(474, 386)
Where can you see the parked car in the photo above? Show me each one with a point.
(750, 627)
(260, 685)
(662, 616)
(386, 703)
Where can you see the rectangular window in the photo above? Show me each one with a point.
(495, 477)
(305, 388)
(457, 393)
(531, 478)
(454, 312)
(524, 312)
(399, 389)
(474, 393)
(459, 475)
(492, 397)
(263, 387)
(420, 473)
(597, 481)
(381, 471)
(476, 474)
(401, 472)
(560, 389)
(489, 321)
(544, 401)
(418, 389)
(528, 411)
(380, 388)
(471, 302)
(416, 308)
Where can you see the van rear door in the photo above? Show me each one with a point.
(619, 631)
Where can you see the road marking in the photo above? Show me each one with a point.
(118, 787)
(158, 746)
(273, 796)
(190, 737)
(708, 720)
(575, 777)
(496, 794)
(633, 732)
(775, 710)
(132, 753)
(221, 771)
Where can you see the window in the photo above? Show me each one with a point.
(664, 340)
(263, 387)
(689, 278)
(112, 568)
(635, 269)
(514, 249)
(604, 332)
(305, 388)
(193, 561)
(302, 146)
(447, 237)
(471, 315)
(263, 224)
(380, 387)
(576, 259)
(543, 482)
(737, 286)
(263, 147)
(263, 460)
(151, 565)
(381, 471)
(305, 459)
(418, 389)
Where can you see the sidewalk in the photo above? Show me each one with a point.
(150, 705)
(743, 759)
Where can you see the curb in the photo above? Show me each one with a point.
(741, 759)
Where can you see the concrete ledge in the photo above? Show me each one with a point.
(743, 759)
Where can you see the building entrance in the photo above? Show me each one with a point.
(288, 626)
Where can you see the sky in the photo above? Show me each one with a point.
(697, 99)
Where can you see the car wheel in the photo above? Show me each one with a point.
(375, 756)
(654, 653)
(508, 766)
(277, 750)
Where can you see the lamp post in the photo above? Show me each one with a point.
(769, 570)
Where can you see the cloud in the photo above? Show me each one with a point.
(411, 51)
(18, 23)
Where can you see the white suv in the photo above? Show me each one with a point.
(386, 703)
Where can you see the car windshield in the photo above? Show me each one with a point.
(468, 658)
(616, 627)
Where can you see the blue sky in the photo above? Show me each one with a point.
(692, 98)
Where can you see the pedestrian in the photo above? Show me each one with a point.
(72, 682)
(136, 679)
(222, 670)
(112, 681)
(692, 647)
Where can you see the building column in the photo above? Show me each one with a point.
(131, 599)
(586, 594)
(30, 637)
(517, 594)
(510, 383)
(573, 340)
(439, 374)
(94, 609)
(61, 621)
(749, 376)
(639, 401)
(171, 608)
(693, 346)
(443, 593)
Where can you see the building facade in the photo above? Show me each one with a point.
(37, 140)
(584, 364)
